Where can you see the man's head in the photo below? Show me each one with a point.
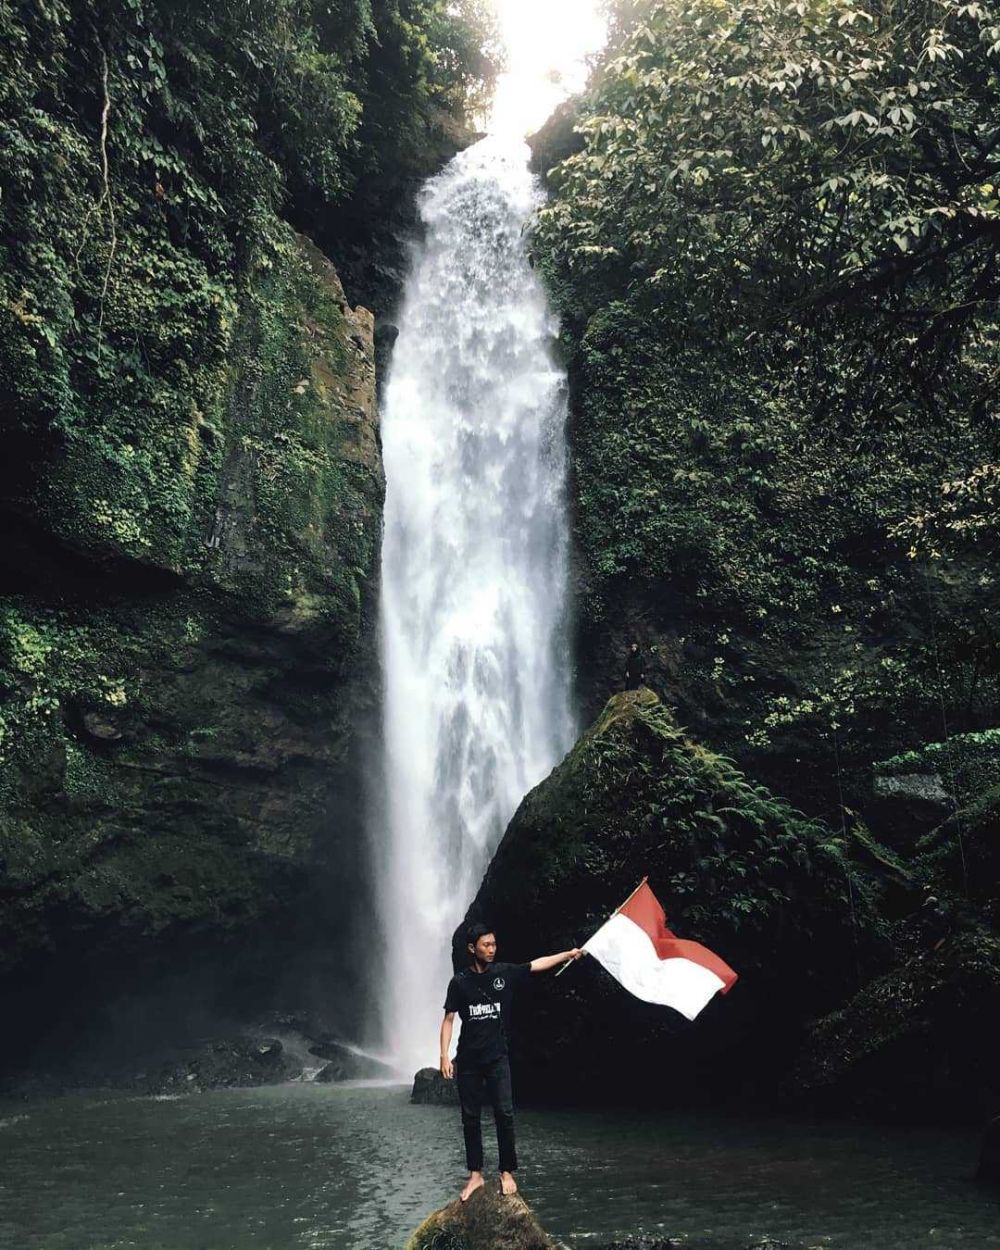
(634, 646)
(481, 943)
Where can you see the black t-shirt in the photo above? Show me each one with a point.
(483, 1002)
(633, 668)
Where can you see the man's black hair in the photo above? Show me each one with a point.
(475, 931)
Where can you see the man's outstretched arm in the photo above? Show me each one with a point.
(447, 1024)
(545, 962)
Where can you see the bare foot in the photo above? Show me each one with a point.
(472, 1184)
(507, 1183)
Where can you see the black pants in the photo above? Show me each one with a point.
(494, 1077)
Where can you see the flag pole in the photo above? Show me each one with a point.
(611, 917)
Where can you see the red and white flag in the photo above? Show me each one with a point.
(639, 950)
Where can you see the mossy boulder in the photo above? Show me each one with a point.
(868, 976)
(778, 896)
(487, 1221)
(907, 804)
(968, 764)
(960, 854)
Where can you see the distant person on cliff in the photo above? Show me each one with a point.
(635, 674)
(482, 994)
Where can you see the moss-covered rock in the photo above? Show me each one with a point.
(191, 487)
(869, 977)
(776, 895)
(710, 522)
(960, 852)
(969, 763)
(487, 1221)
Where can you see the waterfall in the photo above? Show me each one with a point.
(474, 571)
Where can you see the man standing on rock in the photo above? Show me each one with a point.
(635, 675)
(482, 995)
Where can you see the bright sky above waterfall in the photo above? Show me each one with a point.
(547, 41)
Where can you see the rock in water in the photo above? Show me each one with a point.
(488, 1221)
(347, 1064)
(431, 1089)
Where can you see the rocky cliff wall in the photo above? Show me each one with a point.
(186, 660)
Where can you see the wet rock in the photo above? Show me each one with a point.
(432, 1090)
(385, 336)
(635, 797)
(646, 1243)
(346, 1064)
(103, 728)
(908, 805)
(988, 1171)
(557, 139)
(223, 1063)
(488, 1221)
(238, 669)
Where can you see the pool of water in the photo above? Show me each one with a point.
(311, 1167)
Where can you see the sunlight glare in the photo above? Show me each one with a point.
(547, 43)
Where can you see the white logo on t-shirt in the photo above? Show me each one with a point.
(499, 983)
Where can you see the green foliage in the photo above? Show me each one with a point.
(774, 257)
(970, 763)
(963, 518)
(750, 164)
(147, 148)
(43, 657)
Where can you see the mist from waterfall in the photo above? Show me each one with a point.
(474, 572)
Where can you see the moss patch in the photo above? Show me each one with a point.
(176, 713)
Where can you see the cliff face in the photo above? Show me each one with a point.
(779, 490)
(186, 648)
(787, 497)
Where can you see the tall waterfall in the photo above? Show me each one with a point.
(474, 575)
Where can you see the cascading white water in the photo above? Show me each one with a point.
(474, 559)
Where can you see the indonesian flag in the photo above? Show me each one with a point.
(639, 950)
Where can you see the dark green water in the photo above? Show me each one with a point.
(309, 1167)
